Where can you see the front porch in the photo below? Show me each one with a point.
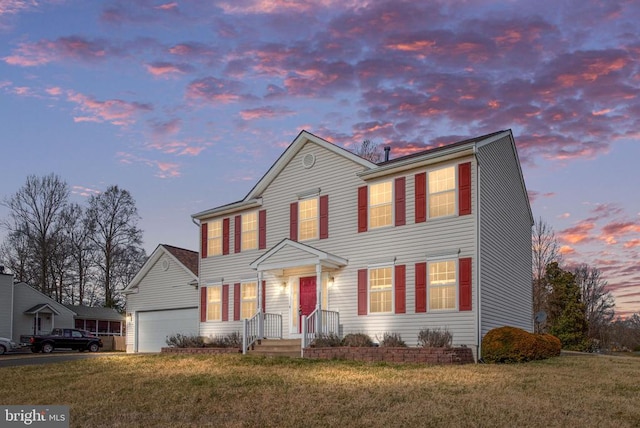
(302, 275)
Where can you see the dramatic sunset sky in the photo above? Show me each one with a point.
(186, 104)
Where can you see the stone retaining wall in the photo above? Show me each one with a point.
(394, 355)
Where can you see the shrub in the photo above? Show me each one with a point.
(357, 340)
(329, 340)
(435, 338)
(392, 340)
(185, 341)
(514, 345)
(231, 340)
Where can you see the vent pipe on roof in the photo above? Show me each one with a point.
(387, 150)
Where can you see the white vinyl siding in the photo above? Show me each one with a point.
(505, 240)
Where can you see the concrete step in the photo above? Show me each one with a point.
(277, 348)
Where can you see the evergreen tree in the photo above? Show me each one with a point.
(566, 309)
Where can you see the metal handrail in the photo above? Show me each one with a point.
(260, 326)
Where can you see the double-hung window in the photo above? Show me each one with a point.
(308, 219)
(380, 204)
(380, 290)
(250, 231)
(214, 238)
(442, 285)
(248, 300)
(442, 192)
(214, 303)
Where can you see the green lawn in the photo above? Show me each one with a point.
(231, 390)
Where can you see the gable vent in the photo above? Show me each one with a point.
(308, 160)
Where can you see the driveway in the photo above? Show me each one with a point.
(20, 358)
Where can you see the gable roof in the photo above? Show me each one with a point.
(186, 259)
(41, 307)
(252, 199)
(95, 313)
(48, 301)
(311, 256)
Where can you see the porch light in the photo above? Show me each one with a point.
(129, 317)
(283, 286)
(331, 281)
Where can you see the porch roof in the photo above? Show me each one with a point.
(289, 254)
(41, 307)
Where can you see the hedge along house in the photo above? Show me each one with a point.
(327, 241)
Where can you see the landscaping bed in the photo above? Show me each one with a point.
(393, 354)
(210, 351)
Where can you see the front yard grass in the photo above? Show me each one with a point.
(232, 390)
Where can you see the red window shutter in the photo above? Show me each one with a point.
(203, 240)
(400, 289)
(225, 302)
(464, 266)
(421, 197)
(464, 188)
(262, 229)
(400, 203)
(324, 217)
(203, 304)
(293, 221)
(225, 236)
(362, 208)
(264, 296)
(363, 275)
(237, 233)
(421, 287)
(236, 301)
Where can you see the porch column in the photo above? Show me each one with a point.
(318, 298)
(260, 306)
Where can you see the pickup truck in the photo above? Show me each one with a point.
(68, 338)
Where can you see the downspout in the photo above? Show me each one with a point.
(13, 286)
(197, 224)
(478, 270)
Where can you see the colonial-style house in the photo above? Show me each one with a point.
(327, 241)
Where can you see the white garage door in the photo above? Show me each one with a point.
(155, 326)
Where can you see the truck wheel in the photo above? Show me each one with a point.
(47, 348)
(94, 347)
(2, 349)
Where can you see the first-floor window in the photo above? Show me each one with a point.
(380, 290)
(214, 303)
(249, 299)
(442, 284)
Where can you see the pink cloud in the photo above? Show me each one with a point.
(54, 91)
(163, 169)
(577, 234)
(212, 89)
(62, 49)
(167, 69)
(168, 6)
(115, 111)
(266, 112)
(84, 191)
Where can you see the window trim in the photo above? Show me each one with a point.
(209, 288)
(456, 285)
(456, 188)
(243, 232)
(243, 300)
(316, 218)
(209, 238)
(391, 204)
(391, 290)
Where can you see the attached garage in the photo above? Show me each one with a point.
(155, 326)
(162, 299)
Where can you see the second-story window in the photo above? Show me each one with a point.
(442, 192)
(308, 219)
(250, 231)
(214, 238)
(380, 204)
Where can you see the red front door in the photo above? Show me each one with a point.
(307, 297)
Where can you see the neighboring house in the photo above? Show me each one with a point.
(24, 311)
(162, 299)
(436, 239)
(98, 320)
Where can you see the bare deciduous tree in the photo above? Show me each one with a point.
(545, 250)
(114, 218)
(34, 215)
(369, 151)
(598, 302)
